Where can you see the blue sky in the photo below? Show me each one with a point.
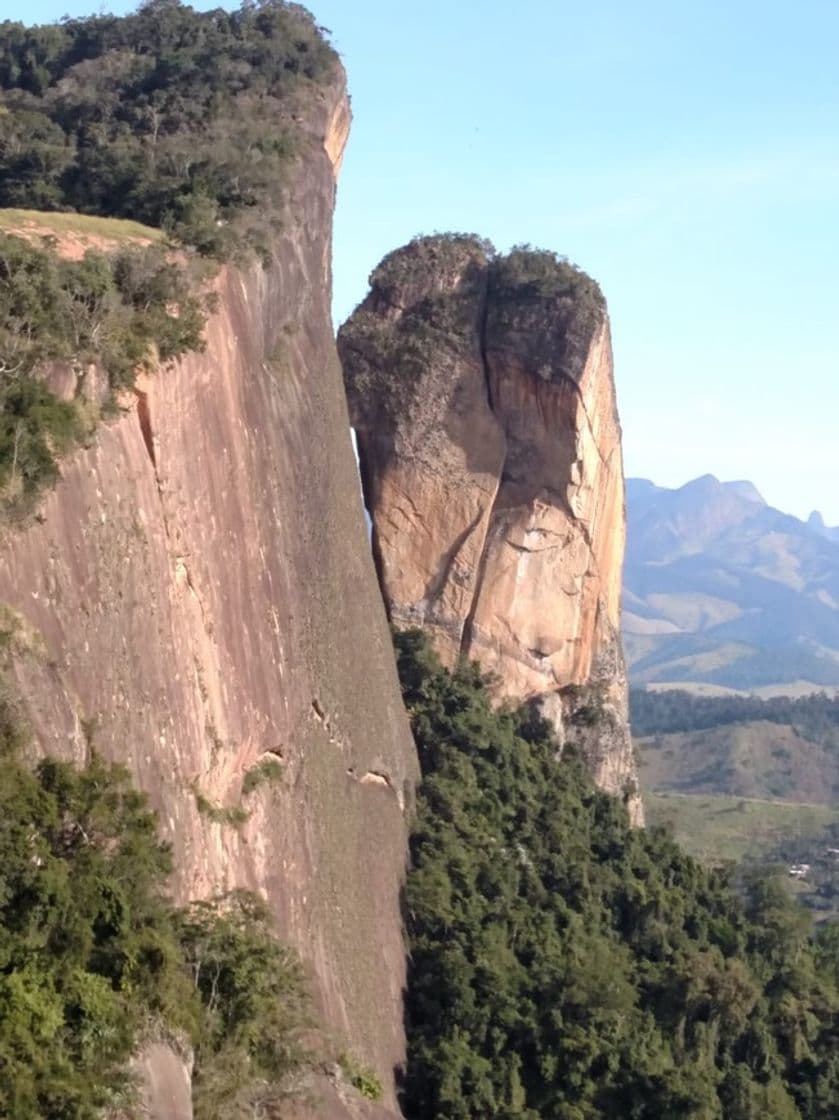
(685, 154)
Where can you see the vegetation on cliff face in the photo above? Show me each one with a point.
(547, 308)
(172, 117)
(178, 119)
(453, 293)
(248, 1039)
(542, 274)
(563, 965)
(94, 959)
(119, 312)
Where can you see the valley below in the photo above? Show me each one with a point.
(746, 780)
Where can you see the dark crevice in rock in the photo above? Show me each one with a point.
(375, 547)
(483, 315)
(441, 578)
(480, 567)
(144, 417)
(207, 627)
(147, 432)
(480, 573)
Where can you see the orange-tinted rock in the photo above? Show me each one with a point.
(482, 393)
(196, 595)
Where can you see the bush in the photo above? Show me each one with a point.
(87, 942)
(268, 771)
(361, 1078)
(254, 1009)
(233, 815)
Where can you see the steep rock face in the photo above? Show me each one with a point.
(482, 394)
(196, 595)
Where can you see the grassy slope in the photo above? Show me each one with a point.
(46, 222)
(717, 828)
(765, 692)
(754, 759)
(754, 791)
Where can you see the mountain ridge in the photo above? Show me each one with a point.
(721, 588)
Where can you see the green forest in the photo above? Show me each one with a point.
(815, 716)
(563, 965)
(184, 121)
(179, 119)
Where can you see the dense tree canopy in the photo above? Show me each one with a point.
(94, 958)
(176, 118)
(814, 717)
(565, 966)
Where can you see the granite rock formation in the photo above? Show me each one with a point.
(482, 395)
(196, 595)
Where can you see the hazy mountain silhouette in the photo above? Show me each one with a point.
(722, 589)
(816, 522)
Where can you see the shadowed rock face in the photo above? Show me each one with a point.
(197, 595)
(482, 394)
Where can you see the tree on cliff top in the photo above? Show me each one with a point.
(176, 118)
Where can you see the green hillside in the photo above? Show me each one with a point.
(178, 119)
(744, 779)
(781, 748)
(756, 759)
(720, 828)
(563, 965)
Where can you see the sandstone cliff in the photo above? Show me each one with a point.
(482, 394)
(196, 595)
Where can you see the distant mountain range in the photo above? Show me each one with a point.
(721, 590)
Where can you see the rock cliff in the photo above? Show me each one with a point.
(196, 596)
(482, 394)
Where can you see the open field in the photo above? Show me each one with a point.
(719, 827)
(765, 692)
(44, 222)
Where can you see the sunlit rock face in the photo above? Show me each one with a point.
(482, 393)
(196, 596)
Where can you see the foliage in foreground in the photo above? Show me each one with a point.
(126, 311)
(175, 118)
(248, 1042)
(94, 959)
(565, 966)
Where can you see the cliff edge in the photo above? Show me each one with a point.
(195, 597)
(482, 393)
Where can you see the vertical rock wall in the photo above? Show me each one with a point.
(197, 595)
(482, 393)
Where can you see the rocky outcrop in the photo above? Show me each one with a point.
(165, 1079)
(197, 595)
(482, 394)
